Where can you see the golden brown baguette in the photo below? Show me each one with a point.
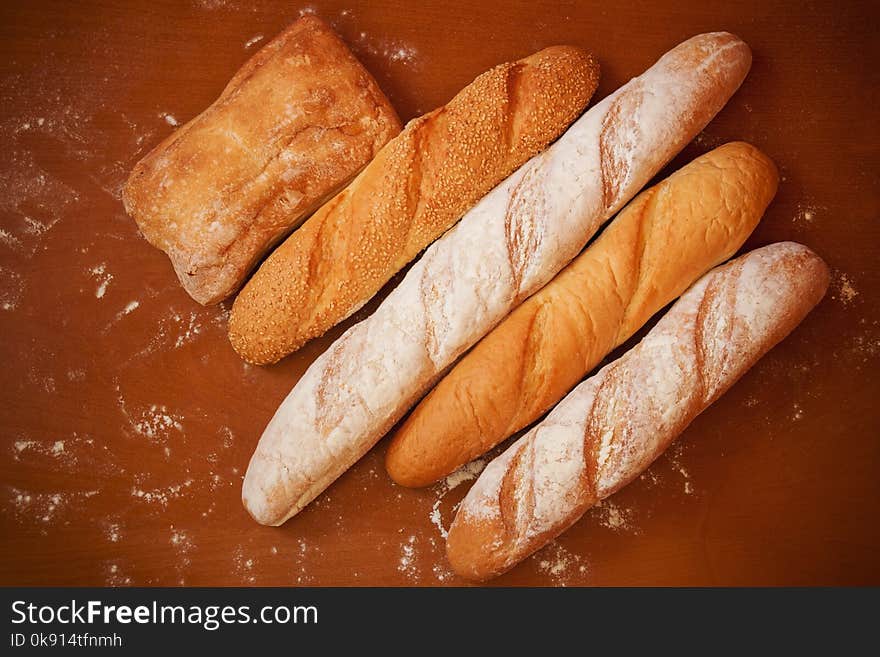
(610, 428)
(503, 250)
(295, 124)
(658, 245)
(417, 187)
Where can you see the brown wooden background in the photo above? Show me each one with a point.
(127, 420)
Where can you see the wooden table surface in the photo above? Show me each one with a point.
(128, 421)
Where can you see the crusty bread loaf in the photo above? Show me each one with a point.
(418, 186)
(504, 249)
(657, 246)
(610, 428)
(294, 124)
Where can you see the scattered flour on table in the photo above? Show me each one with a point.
(21, 445)
(33, 201)
(560, 564)
(62, 451)
(806, 213)
(401, 53)
(253, 41)
(842, 288)
(51, 448)
(227, 436)
(407, 563)
(161, 496)
(11, 288)
(129, 308)
(706, 141)
(244, 565)
(113, 532)
(9, 239)
(55, 104)
(214, 4)
(114, 575)
(221, 314)
(467, 472)
(865, 346)
(441, 572)
(38, 228)
(392, 50)
(76, 374)
(180, 328)
(180, 539)
(614, 517)
(797, 412)
(189, 332)
(156, 422)
(103, 277)
(674, 454)
(437, 519)
(36, 377)
(50, 101)
(49, 385)
(169, 119)
(650, 477)
(304, 577)
(43, 508)
(182, 544)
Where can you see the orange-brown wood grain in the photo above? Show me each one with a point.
(127, 420)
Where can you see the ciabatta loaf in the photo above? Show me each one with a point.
(611, 427)
(503, 250)
(659, 244)
(417, 187)
(293, 126)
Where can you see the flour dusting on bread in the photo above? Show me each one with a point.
(632, 409)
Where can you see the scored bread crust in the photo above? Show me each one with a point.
(611, 427)
(504, 249)
(292, 126)
(659, 244)
(418, 186)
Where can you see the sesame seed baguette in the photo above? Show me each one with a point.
(504, 249)
(292, 127)
(656, 247)
(611, 427)
(415, 189)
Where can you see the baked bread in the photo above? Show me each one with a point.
(611, 427)
(295, 124)
(417, 187)
(504, 249)
(658, 245)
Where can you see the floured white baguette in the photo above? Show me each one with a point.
(504, 249)
(651, 252)
(611, 427)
